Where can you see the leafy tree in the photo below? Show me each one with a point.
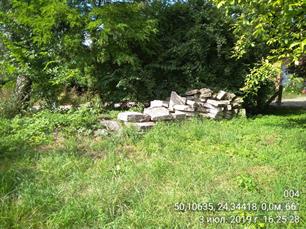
(278, 24)
(193, 48)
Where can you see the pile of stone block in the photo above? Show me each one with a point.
(201, 102)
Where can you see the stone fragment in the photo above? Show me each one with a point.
(183, 108)
(187, 113)
(221, 95)
(218, 103)
(229, 107)
(175, 99)
(158, 113)
(159, 103)
(140, 126)
(179, 116)
(131, 116)
(110, 125)
(192, 92)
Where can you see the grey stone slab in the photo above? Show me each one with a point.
(111, 125)
(131, 116)
(187, 113)
(140, 126)
(158, 113)
(218, 103)
(159, 103)
(183, 108)
(210, 106)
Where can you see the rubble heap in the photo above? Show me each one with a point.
(201, 102)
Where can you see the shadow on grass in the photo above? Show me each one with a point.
(285, 111)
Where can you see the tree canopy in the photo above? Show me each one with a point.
(142, 49)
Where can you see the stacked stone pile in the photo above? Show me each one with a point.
(203, 102)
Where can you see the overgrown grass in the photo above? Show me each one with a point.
(130, 180)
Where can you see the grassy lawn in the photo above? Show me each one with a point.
(133, 180)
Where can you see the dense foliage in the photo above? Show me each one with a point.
(278, 24)
(123, 50)
(137, 50)
(260, 84)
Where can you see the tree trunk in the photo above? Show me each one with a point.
(23, 91)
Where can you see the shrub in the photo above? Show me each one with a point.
(259, 86)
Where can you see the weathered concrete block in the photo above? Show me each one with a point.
(218, 103)
(159, 103)
(111, 125)
(130, 116)
(210, 106)
(183, 108)
(158, 113)
(175, 99)
(140, 126)
(187, 113)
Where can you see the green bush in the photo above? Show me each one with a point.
(40, 128)
(259, 86)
